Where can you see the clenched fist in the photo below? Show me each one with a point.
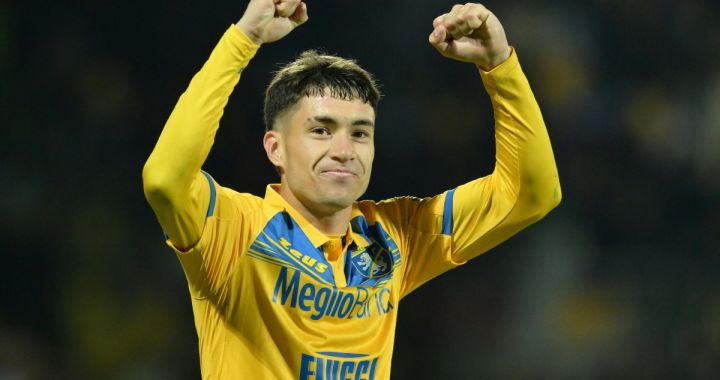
(270, 20)
(471, 33)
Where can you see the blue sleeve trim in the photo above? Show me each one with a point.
(447, 213)
(211, 206)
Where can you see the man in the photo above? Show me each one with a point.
(305, 282)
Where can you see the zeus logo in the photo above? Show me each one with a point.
(337, 366)
(306, 259)
(322, 301)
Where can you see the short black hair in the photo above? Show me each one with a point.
(311, 74)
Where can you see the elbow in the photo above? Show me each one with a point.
(541, 201)
(552, 202)
(553, 196)
(156, 185)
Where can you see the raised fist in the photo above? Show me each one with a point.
(471, 33)
(270, 20)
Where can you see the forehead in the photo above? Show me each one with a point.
(341, 111)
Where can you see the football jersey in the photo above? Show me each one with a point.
(269, 303)
(272, 296)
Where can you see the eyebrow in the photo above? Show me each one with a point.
(332, 120)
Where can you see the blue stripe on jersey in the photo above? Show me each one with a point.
(211, 207)
(283, 242)
(447, 213)
(376, 263)
(342, 354)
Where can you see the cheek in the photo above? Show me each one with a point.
(299, 159)
(368, 155)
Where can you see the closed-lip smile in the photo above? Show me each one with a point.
(343, 172)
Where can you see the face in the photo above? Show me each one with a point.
(324, 149)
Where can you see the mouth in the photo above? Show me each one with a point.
(339, 173)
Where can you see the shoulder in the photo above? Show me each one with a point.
(232, 203)
(400, 208)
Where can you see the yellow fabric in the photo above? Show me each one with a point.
(333, 250)
(268, 304)
(185, 142)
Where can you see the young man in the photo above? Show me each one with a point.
(305, 282)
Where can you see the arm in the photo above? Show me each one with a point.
(174, 186)
(524, 185)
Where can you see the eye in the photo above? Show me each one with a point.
(361, 134)
(320, 131)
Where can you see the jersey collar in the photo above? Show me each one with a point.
(317, 238)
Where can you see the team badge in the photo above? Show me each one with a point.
(373, 262)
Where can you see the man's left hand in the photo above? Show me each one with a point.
(471, 33)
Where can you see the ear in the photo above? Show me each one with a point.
(272, 142)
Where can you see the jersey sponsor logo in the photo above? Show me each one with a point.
(326, 301)
(337, 366)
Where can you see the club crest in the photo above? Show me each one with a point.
(373, 262)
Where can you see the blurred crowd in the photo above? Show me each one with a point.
(621, 281)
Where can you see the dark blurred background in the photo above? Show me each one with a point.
(621, 281)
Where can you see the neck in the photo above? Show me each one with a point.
(329, 222)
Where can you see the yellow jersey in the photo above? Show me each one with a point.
(272, 296)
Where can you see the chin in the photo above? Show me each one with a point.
(338, 201)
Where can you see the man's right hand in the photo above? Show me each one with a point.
(270, 20)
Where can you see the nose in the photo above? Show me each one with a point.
(342, 148)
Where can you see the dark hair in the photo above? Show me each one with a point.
(310, 75)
